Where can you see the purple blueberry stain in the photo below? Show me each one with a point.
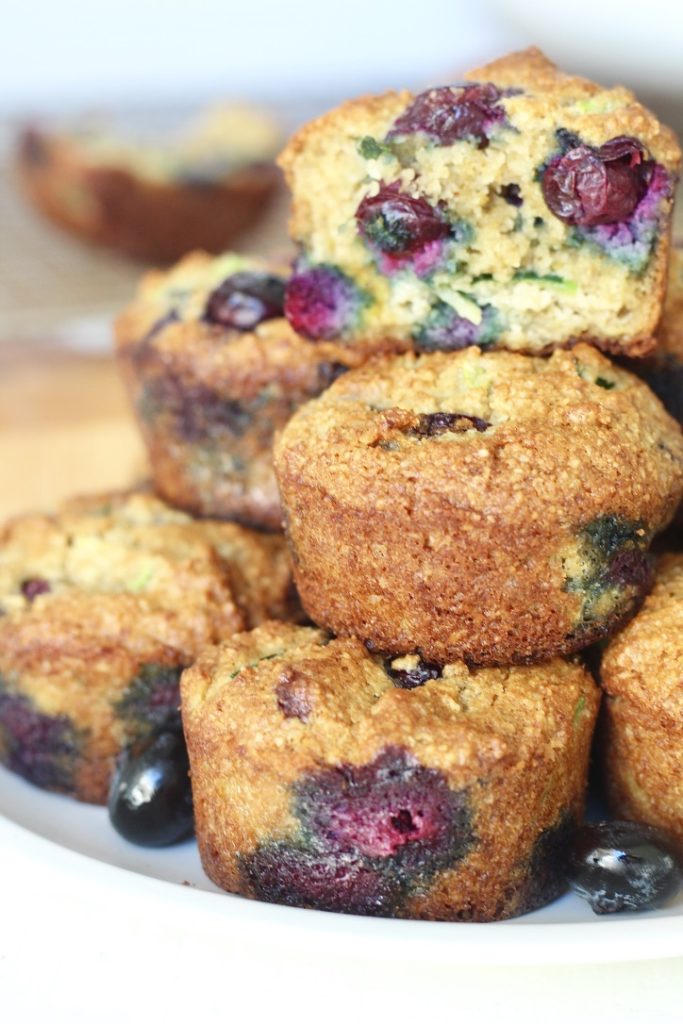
(246, 299)
(322, 303)
(293, 696)
(449, 114)
(303, 876)
(151, 699)
(198, 413)
(615, 553)
(446, 331)
(33, 586)
(546, 868)
(42, 748)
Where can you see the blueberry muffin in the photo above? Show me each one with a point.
(325, 776)
(213, 370)
(524, 209)
(155, 199)
(487, 506)
(101, 607)
(642, 674)
(663, 369)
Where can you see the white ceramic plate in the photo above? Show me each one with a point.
(77, 841)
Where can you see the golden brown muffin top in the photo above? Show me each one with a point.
(333, 699)
(586, 108)
(559, 439)
(126, 571)
(643, 664)
(166, 321)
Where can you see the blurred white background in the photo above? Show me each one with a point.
(75, 52)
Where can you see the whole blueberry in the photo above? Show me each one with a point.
(450, 113)
(587, 185)
(624, 865)
(245, 299)
(150, 799)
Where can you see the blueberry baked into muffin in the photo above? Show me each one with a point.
(327, 777)
(213, 370)
(523, 209)
(642, 676)
(101, 607)
(155, 199)
(487, 506)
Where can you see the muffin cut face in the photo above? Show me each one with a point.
(213, 370)
(490, 506)
(102, 607)
(379, 798)
(642, 675)
(525, 209)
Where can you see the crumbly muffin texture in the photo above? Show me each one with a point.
(642, 675)
(326, 777)
(525, 209)
(101, 607)
(487, 506)
(213, 370)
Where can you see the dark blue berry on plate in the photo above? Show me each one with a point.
(245, 299)
(150, 800)
(624, 865)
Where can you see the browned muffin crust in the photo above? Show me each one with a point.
(486, 506)
(157, 219)
(101, 607)
(642, 675)
(486, 212)
(209, 397)
(326, 777)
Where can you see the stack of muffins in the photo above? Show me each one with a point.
(469, 490)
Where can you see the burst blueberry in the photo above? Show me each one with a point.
(321, 302)
(450, 113)
(398, 224)
(392, 808)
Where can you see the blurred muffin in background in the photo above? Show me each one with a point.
(154, 197)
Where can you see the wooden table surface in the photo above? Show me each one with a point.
(65, 427)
